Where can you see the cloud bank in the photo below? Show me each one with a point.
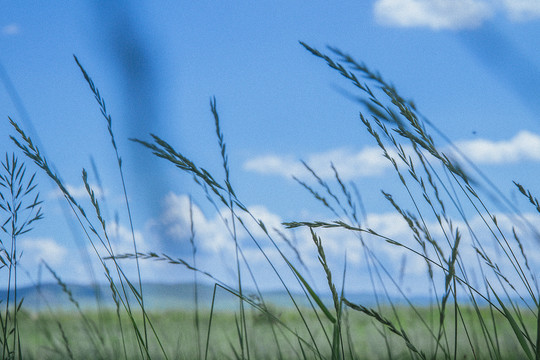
(451, 14)
(369, 162)
(216, 248)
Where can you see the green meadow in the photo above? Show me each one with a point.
(48, 335)
(487, 315)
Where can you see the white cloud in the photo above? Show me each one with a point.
(78, 192)
(349, 164)
(522, 147)
(11, 29)
(36, 249)
(522, 10)
(451, 14)
(216, 247)
(338, 241)
(122, 239)
(174, 226)
(388, 224)
(434, 14)
(212, 236)
(274, 164)
(214, 241)
(270, 220)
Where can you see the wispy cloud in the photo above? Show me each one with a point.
(451, 14)
(434, 14)
(351, 164)
(215, 246)
(522, 10)
(78, 192)
(10, 29)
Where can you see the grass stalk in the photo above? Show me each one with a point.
(20, 209)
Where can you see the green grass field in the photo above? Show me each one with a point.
(44, 340)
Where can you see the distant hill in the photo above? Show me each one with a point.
(156, 296)
(161, 297)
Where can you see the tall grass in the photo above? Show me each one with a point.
(19, 209)
(476, 301)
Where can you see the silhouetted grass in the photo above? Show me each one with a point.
(491, 317)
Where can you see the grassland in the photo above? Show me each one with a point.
(44, 340)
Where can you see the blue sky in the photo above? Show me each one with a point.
(471, 66)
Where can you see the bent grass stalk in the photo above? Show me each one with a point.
(405, 123)
(32, 152)
(108, 119)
